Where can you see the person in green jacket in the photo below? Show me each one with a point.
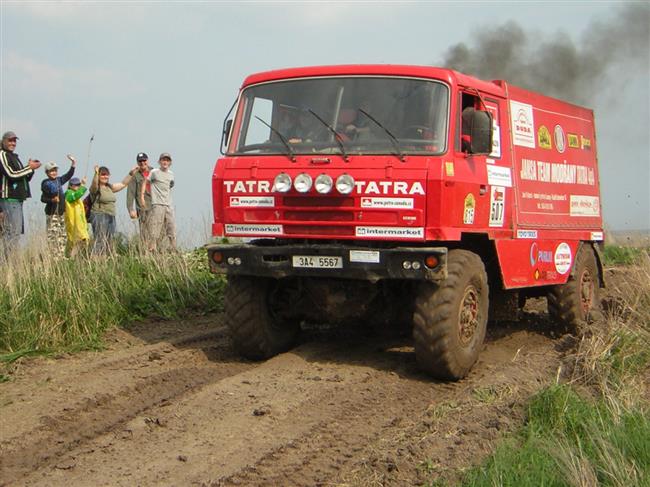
(76, 226)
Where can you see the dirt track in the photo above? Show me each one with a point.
(169, 403)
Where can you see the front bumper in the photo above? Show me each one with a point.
(362, 263)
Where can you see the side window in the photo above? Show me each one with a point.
(257, 132)
(467, 103)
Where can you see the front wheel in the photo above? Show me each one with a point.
(250, 306)
(450, 319)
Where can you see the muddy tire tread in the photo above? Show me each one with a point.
(434, 325)
(253, 331)
(564, 306)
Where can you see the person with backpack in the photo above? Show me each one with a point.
(76, 226)
(102, 192)
(14, 190)
(52, 195)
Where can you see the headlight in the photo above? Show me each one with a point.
(345, 184)
(324, 184)
(302, 183)
(282, 183)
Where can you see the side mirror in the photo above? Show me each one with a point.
(225, 134)
(481, 132)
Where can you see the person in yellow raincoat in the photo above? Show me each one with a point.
(76, 225)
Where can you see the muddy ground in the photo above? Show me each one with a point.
(170, 403)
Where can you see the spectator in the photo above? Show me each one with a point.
(14, 190)
(133, 192)
(53, 196)
(103, 208)
(76, 225)
(160, 222)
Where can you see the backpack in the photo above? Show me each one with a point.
(88, 206)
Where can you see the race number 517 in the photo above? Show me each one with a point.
(497, 206)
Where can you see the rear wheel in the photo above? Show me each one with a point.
(575, 303)
(450, 319)
(252, 315)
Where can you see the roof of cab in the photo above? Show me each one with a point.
(447, 75)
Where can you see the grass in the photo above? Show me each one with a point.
(52, 305)
(594, 429)
(622, 255)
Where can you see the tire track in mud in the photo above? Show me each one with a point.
(377, 430)
(116, 388)
(329, 412)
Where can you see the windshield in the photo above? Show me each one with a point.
(343, 115)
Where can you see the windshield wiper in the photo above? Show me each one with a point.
(337, 136)
(393, 139)
(284, 140)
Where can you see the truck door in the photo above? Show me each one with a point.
(487, 174)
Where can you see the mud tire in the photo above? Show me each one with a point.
(576, 303)
(256, 333)
(450, 319)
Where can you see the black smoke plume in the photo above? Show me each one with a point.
(555, 65)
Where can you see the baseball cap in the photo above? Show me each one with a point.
(9, 135)
(50, 165)
(165, 155)
(75, 182)
(142, 157)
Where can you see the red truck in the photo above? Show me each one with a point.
(411, 194)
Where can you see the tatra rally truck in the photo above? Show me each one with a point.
(411, 195)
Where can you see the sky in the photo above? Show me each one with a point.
(161, 76)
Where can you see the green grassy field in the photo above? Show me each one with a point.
(52, 305)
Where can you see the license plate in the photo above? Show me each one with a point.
(318, 261)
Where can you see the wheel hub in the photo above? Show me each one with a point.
(468, 315)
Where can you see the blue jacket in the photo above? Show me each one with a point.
(53, 187)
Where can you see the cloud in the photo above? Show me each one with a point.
(32, 76)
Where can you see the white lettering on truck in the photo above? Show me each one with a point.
(362, 187)
(556, 172)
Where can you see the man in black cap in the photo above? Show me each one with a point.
(14, 190)
(133, 191)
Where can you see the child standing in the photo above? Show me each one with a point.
(52, 196)
(161, 223)
(76, 225)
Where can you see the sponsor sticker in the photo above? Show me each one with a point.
(497, 206)
(585, 143)
(560, 141)
(538, 255)
(563, 258)
(449, 168)
(521, 115)
(259, 201)
(499, 176)
(574, 143)
(584, 205)
(393, 232)
(253, 229)
(526, 233)
(364, 256)
(597, 236)
(405, 203)
(469, 209)
(544, 138)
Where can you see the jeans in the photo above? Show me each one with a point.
(103, 231)
(11, 224)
